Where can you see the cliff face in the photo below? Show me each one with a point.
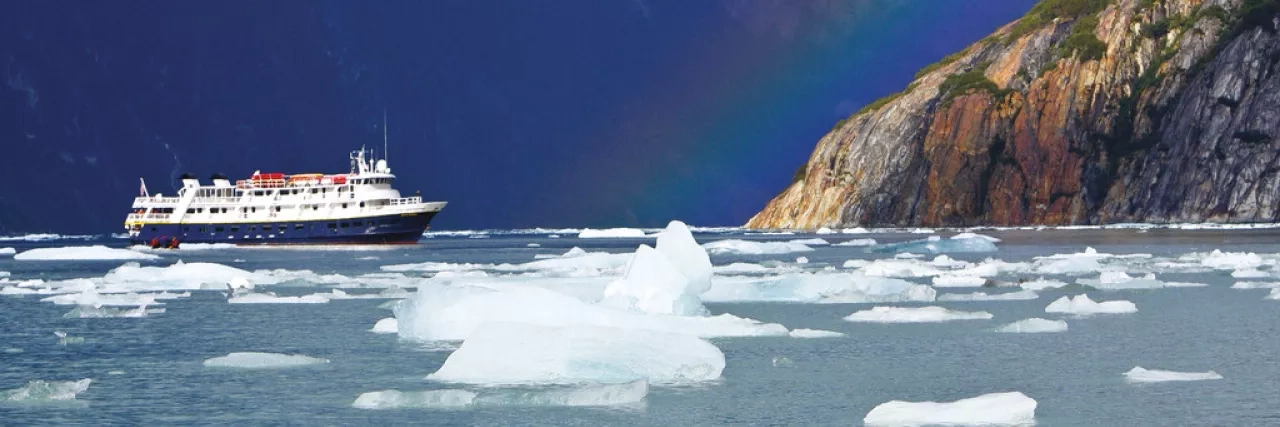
(1083, 112)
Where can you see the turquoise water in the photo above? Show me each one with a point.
(150, 370)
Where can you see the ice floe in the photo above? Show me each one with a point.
(857, 242)
(515, 353)
(271, 298)
(611, 233)
(1033, 325)
(1082, 305)
(810, 242)
(1274, 294)
(255, 360)
(982, 296)
(814, 333)
(818, 288)
(1114, 280)
(960, 243)
(577, 395)
(92, 312)
(386, 326)
(749, 247)
(44, 237)
(8, 251)
(1140, 375)
(37, 391)
(1012, 408)
(665, 280)
(91, 297)
(928, 314)
(1255, 285)
(1041, 284)
(82, 253)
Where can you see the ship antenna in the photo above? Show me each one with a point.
(384, 134)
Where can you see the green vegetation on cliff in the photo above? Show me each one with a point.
(1046, 11)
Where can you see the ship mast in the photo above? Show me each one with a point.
(385, 153)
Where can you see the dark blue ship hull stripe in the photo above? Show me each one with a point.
(388, 229)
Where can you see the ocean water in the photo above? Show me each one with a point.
(150, 370)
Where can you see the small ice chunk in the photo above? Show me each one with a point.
(749, 247)
(982, 296)
(1012, 408)
(8, 251)
(811, 242)
(740, 268)
(429, 399)
(267, 298)
(1255, 285)
(255, 360)
(515, 353)
(579, 395)
(1113, 280)
(1249, 273)
(936, 245)
(958, 281)
(1034, 325)
(1274, 294)
(533, 245)
(37, 391)
(1082, 305)
(82, 253)
(814, 333)
(968, 235)
(857, 242)
(1229, 260)
(802, 260)
(1041, 284)
(928, 314)
(612, 233)
(824, 230)
(91, 312)
(386, 326)
(818, 288)
(1140, 375)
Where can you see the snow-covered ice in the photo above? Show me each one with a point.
(982, 296)
(8, 251)
(44, 237)
(926, 314)
(1041, 284)
(611, 233)
(665, 280)
(516, 353)
(37, 391)
(750, 247)
(1033, 325)
(958, 281)
(255, 360)
(1082, 305)
(1012, 408)
(814, 333)
(386, 326)
(1140, 375)
(577, 395)
(857, 242)
(82, 253)
(818, 288)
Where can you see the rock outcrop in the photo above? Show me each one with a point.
(1082, 112)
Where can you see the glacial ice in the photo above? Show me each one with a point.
(1033, 325)
(982, 296)
(270, 298)
(814, 333)
(857, 242)
(1113, 280)
(90, 297)
(1140, 375)
(1087, 262)
(810, 242)
(612, 233)
(1012, 408)
(1227, 260)
(1082, 305)
(578, 354)
(928, 314)
(91, 312)
(749, 247)
(386, 326)
(1250, 273)
(740, 268)
(8, 251)
(576, 395)
(961, 243)
(179, 276)
(445, 313)
(82, 253)
(44, 237)
(1255, 285)
(255, 360)
(428, 399)
(37, 391)
(818, 288)
(958, 281)
(665, 280)
(1274, 294)
(1041, 284)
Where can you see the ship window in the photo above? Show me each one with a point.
(332, 225)
(297, 226)
(357, 224)
(266, 227)
(153, 229)
(257, 193)
(277, 209)
(315, 190)
(253, 228)
(204, 230)
(253, 209)
(344, 205)
(362, 204)
(186, 229)
(345, 225)
(235, 229)
(191, 211)
(217, 229)
(315, 207)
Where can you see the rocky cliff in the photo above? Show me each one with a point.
(1081, 112)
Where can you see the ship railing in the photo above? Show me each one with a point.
(405, 201)
(157, 200)
(136, 217)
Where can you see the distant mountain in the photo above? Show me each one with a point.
(1081, 112)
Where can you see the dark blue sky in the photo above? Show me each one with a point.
(519, 113)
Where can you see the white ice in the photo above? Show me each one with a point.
(1274, 294)
(1033, 325)
(749, 247)
(515, 353)
(958, 281)
(8, 251)
(577, 395)
(665, 280)
(428, 399)
(1041, 284)
(1140, 375)
(270, 298)
(1226, 260)
(92, 298)
(44, 237)
(818, 288)
(814, 333)
(811, 242)
(1113, 280)
(936, 244)
(179, 276)
(857, 242)
(255, 360)
(82, 253)
(1012, 408)
(386, 326)
(91, 312)
(1082, 305)
(37, 391)
(928, 314)
(982, 296)
(1255, 285)
(611, 233)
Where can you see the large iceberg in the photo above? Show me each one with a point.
(82, 253)
(927, 314)
(516, 353)
(666, 280)
(1012, 408)
(255, 360)
(1140, 375)
(1081, 304)
(818, 288)
(37, 391)
(1033, 325)
(750, 247)
(577, 395)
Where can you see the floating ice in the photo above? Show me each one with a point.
(429, 399)
(814, 333)
(1034, 325)
(514, 353)
(91, 312)
(802, 260)
(1013, 408)
(386, 326)
(810, 242)
(44, 237)
(818, 288)
(611, 233)
(1140, 375)
(982, 296)
(1089, 261)
(1041, 284)
(44, 391)
(748, 247)
(82, 253)
(580, 395)
(927, 314)
(1274, 294)
(444, 313)
(1121, 280)
(1227, 260)
(934, 244)
(857, 242)
(8, 251)
(91, 298)
(740, 268)
(958, 281)
(270, 298)
(1081, 304)
(968, 235)
(1249, 273)
(666, 280)
(824, 230)
(255, 360)
(180, 276)
(1255, 285)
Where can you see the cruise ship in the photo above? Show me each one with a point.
(358, 207)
